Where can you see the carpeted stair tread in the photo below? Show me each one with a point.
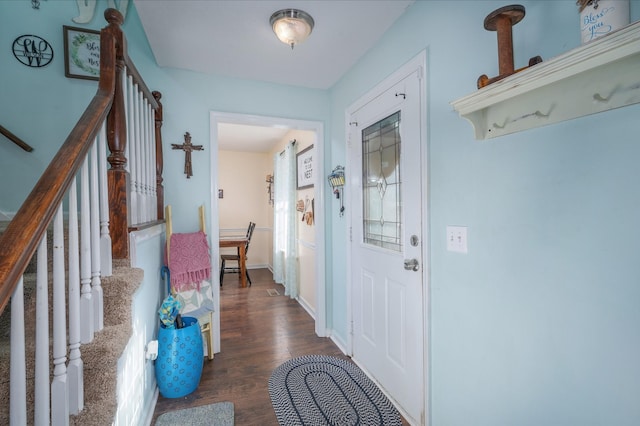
(118, 289)
(100, 360)
(100, 357)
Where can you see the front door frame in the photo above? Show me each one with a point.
(418, 63)
(216, 118)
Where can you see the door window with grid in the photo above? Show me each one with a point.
(381, 184)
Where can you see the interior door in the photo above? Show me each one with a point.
(386, 243)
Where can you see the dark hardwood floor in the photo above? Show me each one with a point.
(258, 333)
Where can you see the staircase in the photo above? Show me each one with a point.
(103, 180)
(100, 357)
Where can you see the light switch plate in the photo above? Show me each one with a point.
(457, 239)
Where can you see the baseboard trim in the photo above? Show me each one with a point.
(307, 307)
(339, 343)
(151, 407)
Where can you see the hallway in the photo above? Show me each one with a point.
(258, 333)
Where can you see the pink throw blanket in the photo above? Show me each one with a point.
(189, 260)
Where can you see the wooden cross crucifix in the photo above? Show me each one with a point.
(187, 148)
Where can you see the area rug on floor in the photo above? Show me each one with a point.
(324, 390)
(218, 414)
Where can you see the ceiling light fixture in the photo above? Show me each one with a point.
(292, 26)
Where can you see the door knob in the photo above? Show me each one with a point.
(411, 264)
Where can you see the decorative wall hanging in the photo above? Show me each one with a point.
(304, 168)
(502, 21)
(600, 17)
(307, 208)
(187, 147)
(269, 181)
(87, 8)
(33, 51)
(308, 212)
(336, 180)
(81, 53)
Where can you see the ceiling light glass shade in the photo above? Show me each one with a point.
(292, 26)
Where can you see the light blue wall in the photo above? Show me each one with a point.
(538, 323)
(39, 105)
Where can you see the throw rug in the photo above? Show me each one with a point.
(324, 390)
(218, 414)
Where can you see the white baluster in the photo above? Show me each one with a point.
(86, 303)
(106, 255)
(41, 397)
(130, 151)
(18, 374)
(96, 283)
(76, 365)
(59, 390)
(131, 133)
(142, 160)
(127, 81)
(145, 160)
(138, 156)
(152, 172)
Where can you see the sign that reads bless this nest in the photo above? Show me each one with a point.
(304, 167)
(81, 53)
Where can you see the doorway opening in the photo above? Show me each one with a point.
(221, 122)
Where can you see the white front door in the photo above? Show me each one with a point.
(387, 241)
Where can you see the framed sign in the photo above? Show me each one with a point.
(304, 168)
(81, 53)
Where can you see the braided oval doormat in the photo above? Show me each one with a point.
(324, 390)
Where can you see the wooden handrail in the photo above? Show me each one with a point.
(23, 234)
(13, 138)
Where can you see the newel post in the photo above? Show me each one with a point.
(159, 159)
(117, 175)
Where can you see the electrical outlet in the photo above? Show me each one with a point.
(457, 239)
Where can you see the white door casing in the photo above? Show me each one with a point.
(387, 297)
(216, 118)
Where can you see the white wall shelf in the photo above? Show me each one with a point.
(601, 75)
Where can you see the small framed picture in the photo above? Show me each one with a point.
(220, 193)
(81, 53)
(304, 168)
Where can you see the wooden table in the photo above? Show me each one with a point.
(241, 244)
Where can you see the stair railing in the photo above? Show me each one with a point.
(13, 138)
(98, 227)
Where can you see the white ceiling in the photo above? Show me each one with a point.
(233, 38)
(248, 138)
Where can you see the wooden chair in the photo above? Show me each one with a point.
(205, 320)
(236, 258)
